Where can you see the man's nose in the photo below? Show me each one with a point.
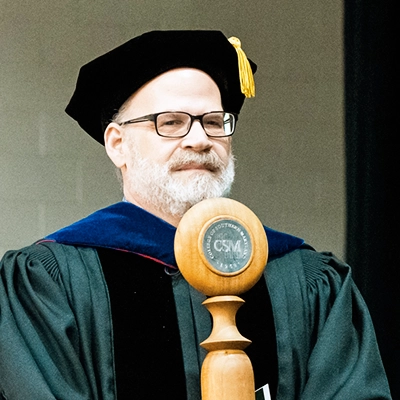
(197, 138)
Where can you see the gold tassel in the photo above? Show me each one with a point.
(247, 84)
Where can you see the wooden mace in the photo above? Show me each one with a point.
(221, 250)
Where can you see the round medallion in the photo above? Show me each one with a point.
(227, 246)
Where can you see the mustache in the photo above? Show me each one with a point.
(209, 160)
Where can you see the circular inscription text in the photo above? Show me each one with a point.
(227, 246)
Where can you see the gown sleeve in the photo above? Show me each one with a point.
(327, 347)
(46, 331)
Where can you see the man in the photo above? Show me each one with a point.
(99, 309)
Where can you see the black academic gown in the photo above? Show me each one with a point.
(80, 321)
(146, 328)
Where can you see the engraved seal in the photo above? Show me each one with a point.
(227, 246)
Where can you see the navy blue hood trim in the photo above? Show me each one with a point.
(126, 227)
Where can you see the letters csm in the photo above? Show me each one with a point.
(227, 245)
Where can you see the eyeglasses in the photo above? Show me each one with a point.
(177, 124)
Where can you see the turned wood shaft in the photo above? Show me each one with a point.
(227, 372)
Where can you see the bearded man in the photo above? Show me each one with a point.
(99, 309)
(181, 172)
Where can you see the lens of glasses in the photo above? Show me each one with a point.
(176, 124)
(173, 124)
(219, 123)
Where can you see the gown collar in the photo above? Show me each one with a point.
(126, 227)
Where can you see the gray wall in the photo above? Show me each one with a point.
(290, 141)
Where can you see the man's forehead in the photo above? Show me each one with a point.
(180, 89)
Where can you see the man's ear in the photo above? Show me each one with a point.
(113, 143)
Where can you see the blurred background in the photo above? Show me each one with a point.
(294, 140)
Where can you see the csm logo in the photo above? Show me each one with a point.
(227, 246)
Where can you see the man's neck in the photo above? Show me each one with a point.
(171, 219)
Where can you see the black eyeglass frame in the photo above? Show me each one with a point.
(153, 118)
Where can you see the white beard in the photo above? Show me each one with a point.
(159, 186)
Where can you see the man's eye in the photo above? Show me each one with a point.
(215, 123)
(172, 122)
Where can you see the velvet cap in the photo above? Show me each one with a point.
(105, 83)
